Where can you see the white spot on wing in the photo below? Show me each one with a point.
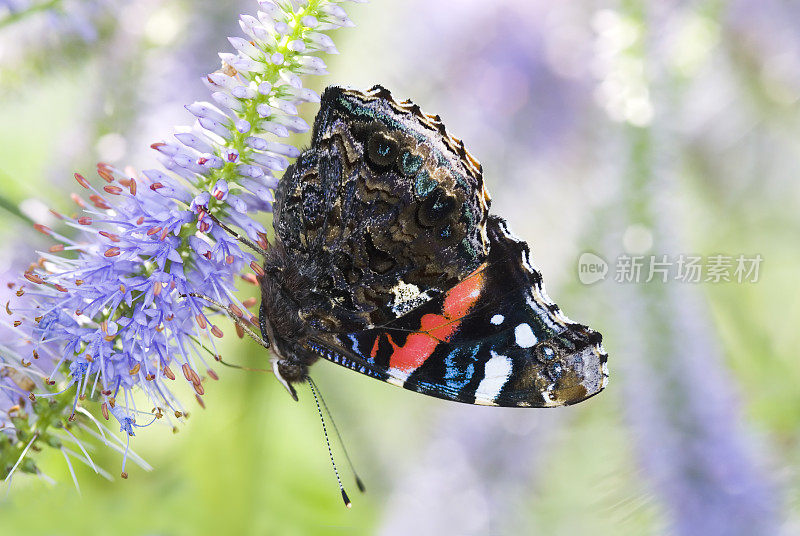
(547, 395)
(524, 336)
(406, 297)
(497, 319)
(496, 373)
(398, 377)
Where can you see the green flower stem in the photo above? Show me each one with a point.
(49, 416)
(19, 15)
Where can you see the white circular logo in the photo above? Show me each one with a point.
(591, 268)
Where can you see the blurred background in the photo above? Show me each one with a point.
(628, 130)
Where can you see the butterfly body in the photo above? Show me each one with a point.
(387, 261)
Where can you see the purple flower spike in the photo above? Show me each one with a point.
(124, 311)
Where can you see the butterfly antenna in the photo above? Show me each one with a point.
(243, 239)
(218, 358)
(359, 483)
(313, 387)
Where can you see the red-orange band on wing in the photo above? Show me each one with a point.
(435, 328)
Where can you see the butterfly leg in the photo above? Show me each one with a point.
(277, 364)
(238, 321)
(243, 239)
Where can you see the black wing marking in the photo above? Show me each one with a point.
(509, 345)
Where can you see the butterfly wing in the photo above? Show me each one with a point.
(391, 265)
(495, 338)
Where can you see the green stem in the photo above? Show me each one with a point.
(49, 413)
(16, 16)
(10, 206)
(228, 172)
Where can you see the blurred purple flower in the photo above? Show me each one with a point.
(481, 462)
(521, 65)
(680, 400)
(681, 404)
(62, 17)
(767, 30)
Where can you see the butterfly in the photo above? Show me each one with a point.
(387, 261)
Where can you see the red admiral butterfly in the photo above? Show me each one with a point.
(387, 261)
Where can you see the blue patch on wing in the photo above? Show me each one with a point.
(460, 366)
(459, 370)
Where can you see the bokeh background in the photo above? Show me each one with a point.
(632, 127)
